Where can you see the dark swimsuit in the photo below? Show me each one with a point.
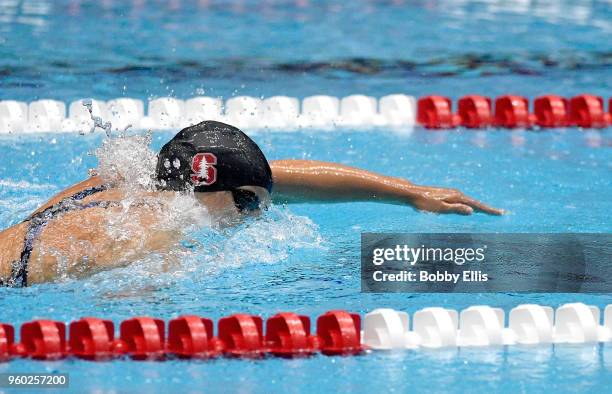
(37, 222)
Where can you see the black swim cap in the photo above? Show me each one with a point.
(212, 156)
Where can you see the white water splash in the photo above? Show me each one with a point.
(128, 162)
(124, 161)
(97, 121)
(270, 239)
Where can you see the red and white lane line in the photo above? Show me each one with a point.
(319, 112)
(289, 335)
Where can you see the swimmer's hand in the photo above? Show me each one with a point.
(441, 200)
(309, 180)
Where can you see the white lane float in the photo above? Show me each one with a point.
(124, 112)
(479, 326)
(166, 113)
(606, 331)
(576, 323)
(386, 329)
(436, 327)
(398, 110)
(483, 326)
(319, 111)
(359, 111)
(532, 324)
(79, 118)
(244, 112)
(46, 116)
(280, 112)
(199, 109)
(13, 116)
(277, 112)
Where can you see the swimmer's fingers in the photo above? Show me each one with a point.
(436, 199)
(475, 204)
(461, 209)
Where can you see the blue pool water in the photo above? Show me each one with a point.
(305, 258)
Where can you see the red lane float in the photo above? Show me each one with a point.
(587, 110)
(192, 336)
(142, 338)
(288, 335)
(241, 335)
(475, 111)
(44, 339)
(339, 333)
(92, 338)
(551, 111)
(511, 111)
(7, 339)
(435, 112)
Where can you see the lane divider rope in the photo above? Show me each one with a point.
(289, 335)
(321, 112)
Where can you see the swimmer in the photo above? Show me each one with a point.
(226, 172)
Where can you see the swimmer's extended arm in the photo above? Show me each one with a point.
(309, 180)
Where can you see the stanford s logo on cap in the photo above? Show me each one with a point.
(204, 173)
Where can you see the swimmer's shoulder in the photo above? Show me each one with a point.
(86, 184)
